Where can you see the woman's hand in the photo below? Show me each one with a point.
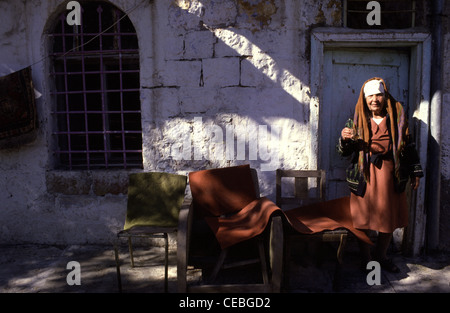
(415, 182)
(347, 133)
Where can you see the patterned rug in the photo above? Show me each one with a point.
(17, 106)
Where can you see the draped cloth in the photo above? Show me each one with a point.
(253, 219)
(226, 199)
(17, 106)
(326, 215)
(245, 224)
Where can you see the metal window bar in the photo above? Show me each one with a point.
(106, 138)
(119, 42)
(78, 144)
(346, 11)
(84, 96)
(69, 144)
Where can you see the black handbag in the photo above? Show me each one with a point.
(355, 180)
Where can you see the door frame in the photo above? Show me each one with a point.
(419, 44)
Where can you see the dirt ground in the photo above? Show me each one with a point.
(44, 269)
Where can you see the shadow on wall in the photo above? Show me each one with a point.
(267, 105)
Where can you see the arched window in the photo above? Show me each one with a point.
(95, 69)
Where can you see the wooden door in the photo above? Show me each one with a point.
(345, 71)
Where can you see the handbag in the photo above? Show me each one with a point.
(355, 180)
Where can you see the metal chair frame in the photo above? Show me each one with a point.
(145, 231)
(150, 232)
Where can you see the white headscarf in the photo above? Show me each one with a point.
(373, 87)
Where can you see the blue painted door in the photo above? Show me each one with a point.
(345, 70)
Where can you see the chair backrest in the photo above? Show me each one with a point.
(154, 199)
(223, 191)
(305, 186)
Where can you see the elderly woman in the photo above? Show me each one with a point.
(383, 158)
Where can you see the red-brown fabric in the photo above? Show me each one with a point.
(327, 215)
(226, 198)
(247, 223)
(222, 191)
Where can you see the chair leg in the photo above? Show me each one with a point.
(218, 266)
(339, 256)
(276, 253)
(166, 263)
(340, 250)
(262, 258)
(130, 248)
(119, 279)
(286, 262)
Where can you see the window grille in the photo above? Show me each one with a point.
(96, 90)
(395, 14)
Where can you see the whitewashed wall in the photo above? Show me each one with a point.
(223, 67)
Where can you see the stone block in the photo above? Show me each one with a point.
(194, 14)
(219, 13)
(173, 46)
(182, 73)
(275, 103)
(259, 15)
(234, 100)
(68, 182)
(197, 100)
(221, 72)
(231, 42)
(111, 182)
(164, 102)
(185, 14)
(251, 75)
(199, 45)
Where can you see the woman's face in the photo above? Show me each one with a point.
(375, 103)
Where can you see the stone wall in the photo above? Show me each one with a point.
(222, 83)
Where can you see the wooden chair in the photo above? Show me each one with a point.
(153, 205)
(193, 231)
(308, 188)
